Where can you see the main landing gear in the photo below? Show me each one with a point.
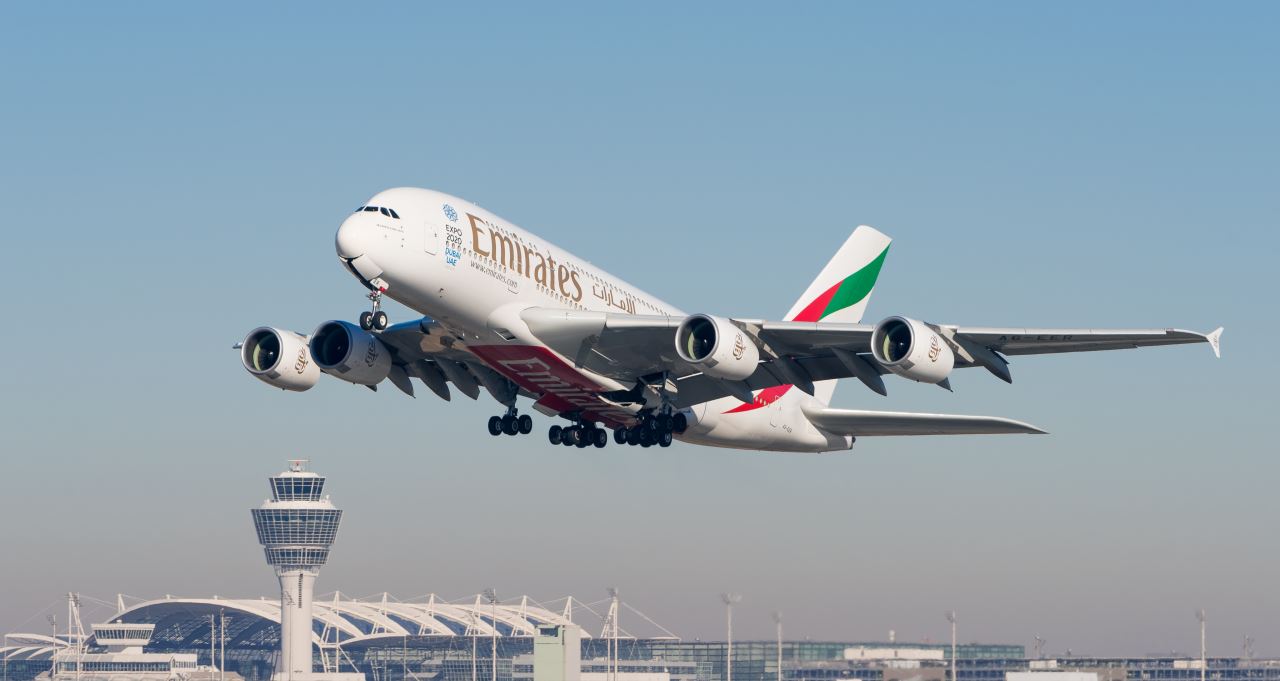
(374, 319)
(510, 423)
(653, 429)
(584, 434)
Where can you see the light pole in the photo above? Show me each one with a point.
(611, 630)
(951, 617)
(777, 619)
(492, 595)
(1200, 615)
(475, 634)
(222, 645)
(729, 599)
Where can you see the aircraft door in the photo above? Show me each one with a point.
(431, 233)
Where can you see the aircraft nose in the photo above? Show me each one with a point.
(350, 238)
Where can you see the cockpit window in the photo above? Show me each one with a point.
(378, 209)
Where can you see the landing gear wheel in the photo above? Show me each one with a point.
(509, 425)
(495, 425)
(554, 434)
(380, 320)
(601, 438)
(620, 436)
(664, 440)
(680, 423)
(569, 436)
(633, 436)
(524, 423)
(663, 422)
(366, 320)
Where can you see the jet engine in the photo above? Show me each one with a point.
(279, 359)
(910, 349)
(717, 347)
(350, 353)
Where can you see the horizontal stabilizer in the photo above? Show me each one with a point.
(859, 423)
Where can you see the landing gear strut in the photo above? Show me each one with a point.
(510, 423)
(374, 319)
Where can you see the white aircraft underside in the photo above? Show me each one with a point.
(515, 315)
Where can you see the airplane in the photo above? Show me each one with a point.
(508, 311)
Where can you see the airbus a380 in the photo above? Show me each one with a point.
(510, 312)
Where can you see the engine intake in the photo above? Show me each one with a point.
(911, 349)
(279, 359)
(717, 347)
(346, 351)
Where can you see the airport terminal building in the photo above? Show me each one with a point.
(389, 640)
(440, 641)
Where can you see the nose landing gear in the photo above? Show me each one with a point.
(375, 319)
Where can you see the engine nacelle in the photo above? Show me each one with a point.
(910, 349)
(717, 347)
(348, 352)
(279, 359)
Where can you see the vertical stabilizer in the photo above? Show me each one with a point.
(842, 290)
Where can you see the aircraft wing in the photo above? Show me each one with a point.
(859, 423)
(424, 350)
(641, 348)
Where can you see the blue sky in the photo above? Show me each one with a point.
(173, 175)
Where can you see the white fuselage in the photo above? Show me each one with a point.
(474, 272)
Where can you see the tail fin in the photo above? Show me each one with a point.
(843, 288)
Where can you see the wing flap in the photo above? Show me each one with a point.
(860, 423)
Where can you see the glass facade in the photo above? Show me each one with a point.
(297, 525)
(297, 488)
(69, 666)
(123, 634)
(293, 555)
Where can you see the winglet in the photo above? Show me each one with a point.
(1215, 341)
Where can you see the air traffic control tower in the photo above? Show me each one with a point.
(296, 527)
